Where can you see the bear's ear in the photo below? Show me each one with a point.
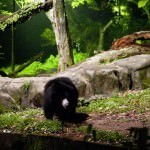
(65, 103)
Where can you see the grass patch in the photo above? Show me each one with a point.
(31, 121)
(92, 134)
(118, 104)
(28, 121)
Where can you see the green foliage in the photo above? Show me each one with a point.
(76, 3)
(5, 7)
(38, 67)
(49, 66)
(139, 102)
(51, 62)
(23, 3)
(142, 3)
(79, 56)
(48, 37)
(22, 14)
(31, 69)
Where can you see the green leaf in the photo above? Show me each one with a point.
(142, 3)
(77, 3)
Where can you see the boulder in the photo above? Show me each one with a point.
(90, 77)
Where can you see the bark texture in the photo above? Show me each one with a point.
(130, 40)
(57, 15)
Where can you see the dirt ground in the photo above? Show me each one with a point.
(119, 122)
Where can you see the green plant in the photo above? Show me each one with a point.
(48, 37)
(79, 56)
(49, 66)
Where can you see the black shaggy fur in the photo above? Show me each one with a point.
(55, 91)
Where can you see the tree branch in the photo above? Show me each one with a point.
(25, 14)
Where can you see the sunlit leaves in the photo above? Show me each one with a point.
(145, 5)
(48, 37)
(142, 3)
(23, 3)
(77, 3)
(48, 66)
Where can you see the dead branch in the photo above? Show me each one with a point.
(130, 40)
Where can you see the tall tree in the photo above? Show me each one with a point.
(57, 16)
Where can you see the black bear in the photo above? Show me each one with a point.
(60, 99)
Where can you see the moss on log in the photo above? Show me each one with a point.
(24, 14)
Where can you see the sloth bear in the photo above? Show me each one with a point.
(60, 99)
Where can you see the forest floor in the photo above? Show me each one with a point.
(120, 115)
(120, 122)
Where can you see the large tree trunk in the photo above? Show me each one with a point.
(57, 15)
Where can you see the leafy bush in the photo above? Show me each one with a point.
(48, 37)
(79, 56)
(50, 65)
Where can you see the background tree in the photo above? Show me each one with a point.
(145, 5)
(104, 22)
(57, 15)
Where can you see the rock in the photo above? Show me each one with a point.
(7, 102)
(90, 77)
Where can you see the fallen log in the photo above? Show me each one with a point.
(136, 38)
